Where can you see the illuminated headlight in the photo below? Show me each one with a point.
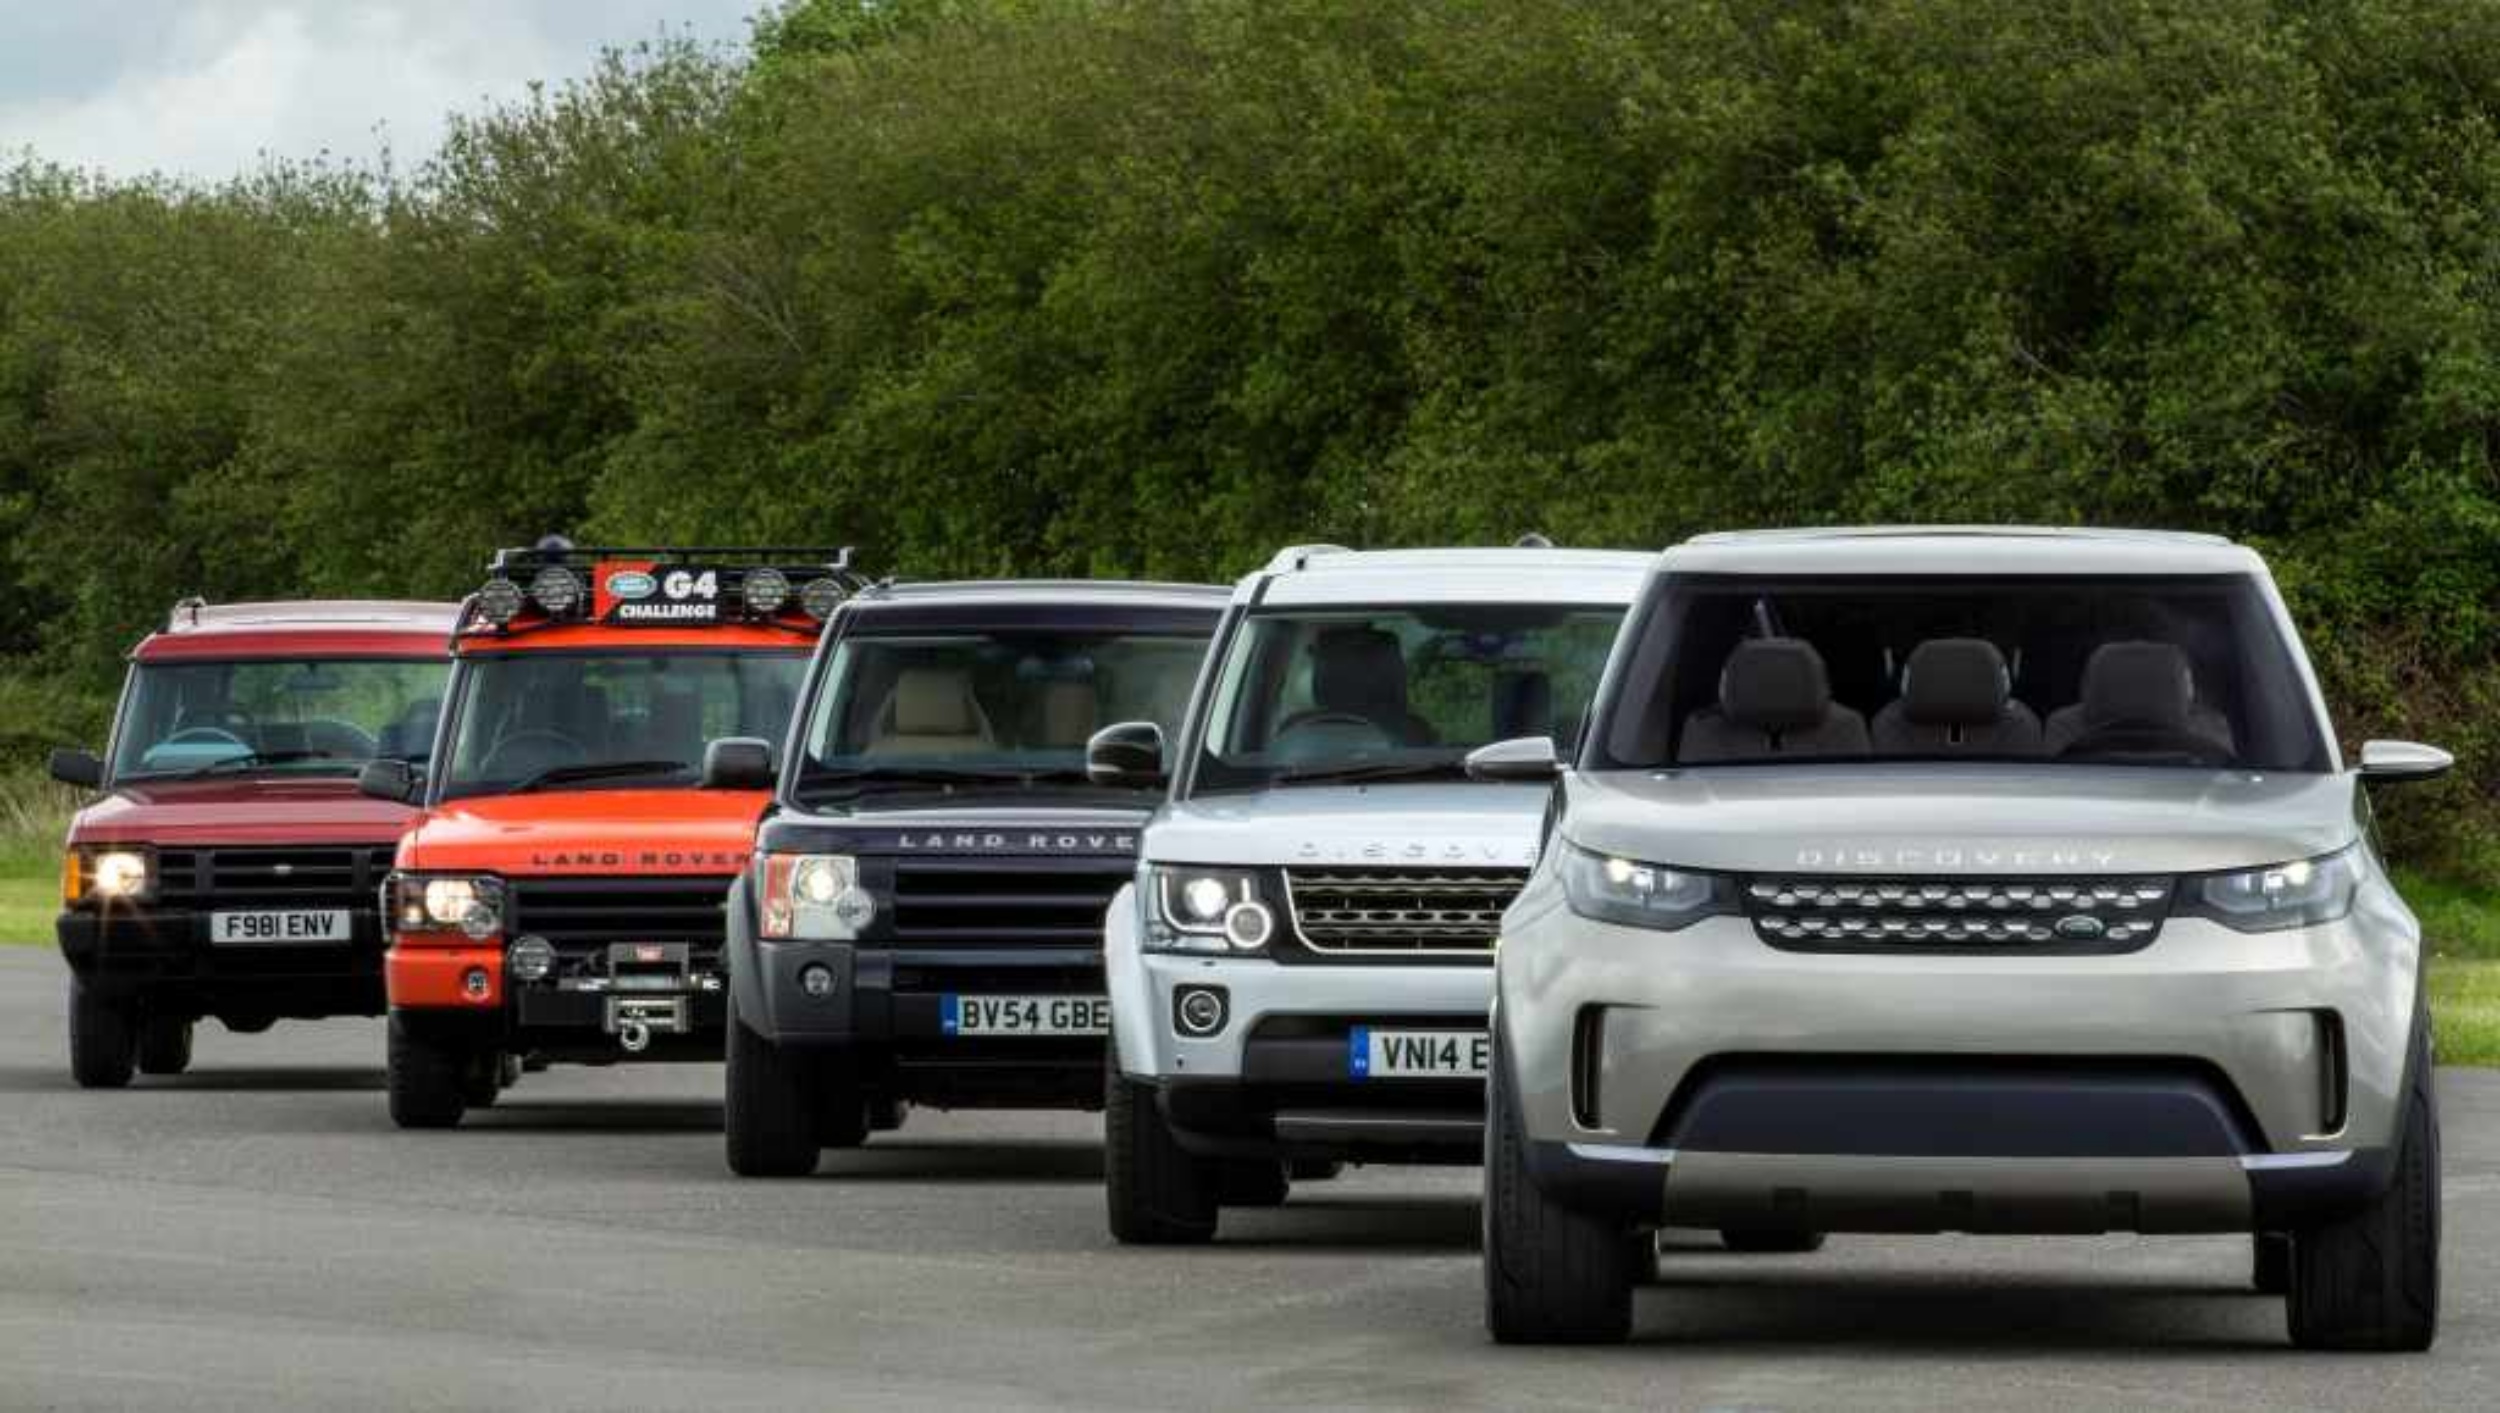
(815, 897)
(557, 589)
(469, 905)
(499, 602)
(107, 875)
(1207, 910)
(2296, 894)
(1636, 894)
(766, 590)
(820, 597)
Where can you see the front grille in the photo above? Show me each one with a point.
(1401, 911)
(582, 916)
(1003, 902)
(271, 878)
(2036, 916)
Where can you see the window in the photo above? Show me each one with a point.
(611, 718)
(300, 716)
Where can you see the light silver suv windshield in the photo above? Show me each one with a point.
(1313, 695)
(2103, 670)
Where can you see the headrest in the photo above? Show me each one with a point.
(1068, 713)
(1775, 684)
(1359, 670)
(932, 701)
(2138, 684)
(1523, 704)
(1955, 682)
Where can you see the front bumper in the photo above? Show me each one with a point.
(2212, 1081)
(164, 955)
(464, 988)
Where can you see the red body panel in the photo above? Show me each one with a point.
(246, 810)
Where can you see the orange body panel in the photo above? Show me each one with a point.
(429, 974)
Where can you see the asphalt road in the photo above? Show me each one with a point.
(256, 1235)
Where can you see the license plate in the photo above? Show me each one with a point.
(1025, 1015)
(1411, 1054)
(292, 925)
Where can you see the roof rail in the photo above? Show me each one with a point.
(186, 613)
(1297, 557)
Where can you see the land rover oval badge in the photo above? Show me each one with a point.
(2081, 927)
(631, 584)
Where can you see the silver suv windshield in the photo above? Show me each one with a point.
(1336, 695)
(300, 716)
(1011, 706)
(2188, 672)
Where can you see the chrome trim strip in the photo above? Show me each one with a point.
(2277, 1162)
(1622, 1153)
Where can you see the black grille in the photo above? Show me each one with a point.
(1401, 910)
(1003, 902)
(277, 878)
(582, 914)
(2038, 916)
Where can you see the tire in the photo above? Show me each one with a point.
(164, 1045)
(481, 1079)
(1771, 1241)
(1551, 1275)
(103, 1039)
(427, 1078)
(887, 1113)
(2370, 1280)
(769, 1106)
(1252, 1182)
(1157, 1193)
(1314, 1170)
(2270, 1262)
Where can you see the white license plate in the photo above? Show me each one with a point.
(279, 928)
(1025, 1015)
(1411, 1054)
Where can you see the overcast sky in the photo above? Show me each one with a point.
(202, 87)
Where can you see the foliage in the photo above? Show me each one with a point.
(1133, 286)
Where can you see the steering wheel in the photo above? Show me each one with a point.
(2143, 738)
(1314, 720)
(204, 736)
(553, 748)
(343, 739)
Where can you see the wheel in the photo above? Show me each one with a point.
(1551, 1275)
(844, 1114)
(1769, 1241)
(769, 1105)
(427, 1078)
(886, 1113)
(1157, 1192)
(481, 1079)
(164, 1045)
(103, 1039)
(2370, 1280)
(1252, 1182)
(1314, 1169)
(2270, 1262)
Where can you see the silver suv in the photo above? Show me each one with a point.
(1962, 880)
(1300, 972)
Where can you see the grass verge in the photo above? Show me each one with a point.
(28, 901)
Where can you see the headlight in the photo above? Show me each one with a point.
(468, 904)
(1636, 894)
(816, 897)
(1207, 910)
(107, 876)
(2296, 894)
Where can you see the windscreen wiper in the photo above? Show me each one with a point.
(857, 778)
(250, 759)
(1377, 770)
(598, 770)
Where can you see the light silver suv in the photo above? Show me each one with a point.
(1300, 974)
(1962, 880)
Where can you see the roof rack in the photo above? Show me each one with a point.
(557, 582)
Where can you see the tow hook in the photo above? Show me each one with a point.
(634, 1035)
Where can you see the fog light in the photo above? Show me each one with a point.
(531, 959)
(476, 983)
(1248, 926)
(816, 979)
(1200, 1011)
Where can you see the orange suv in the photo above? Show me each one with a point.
(559, 896)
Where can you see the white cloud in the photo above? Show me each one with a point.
(217, 83)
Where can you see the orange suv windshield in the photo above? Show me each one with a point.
(609, 719)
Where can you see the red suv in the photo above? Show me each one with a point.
(231, 867)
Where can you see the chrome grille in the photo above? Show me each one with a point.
(1401, 910)
(1004, 902)
(1958, 914)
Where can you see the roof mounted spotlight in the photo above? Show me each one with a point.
(553, 544)
(499, 602)
(821, 596)
(765, 589)
(557, 589)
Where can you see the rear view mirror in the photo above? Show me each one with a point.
(1529, 758)
(1128, 756)
(392, 780)
(80, 768)
(738, 763)
(2391, 762)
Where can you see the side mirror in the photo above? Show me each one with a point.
(1128, 756)
(2393, 762)
(1529, 758)
(79, 768)
(392, 780)
(738, 763)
